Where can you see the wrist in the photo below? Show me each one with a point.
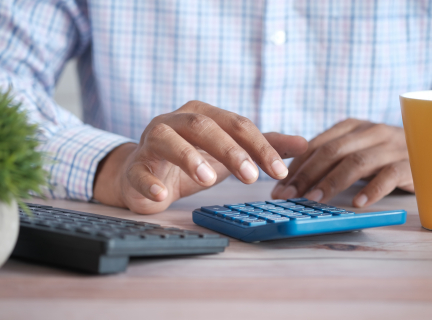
(107, 181)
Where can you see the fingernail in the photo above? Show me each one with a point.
(315, 195)
(248, 170)
(277, 191)
(290, 192)
(361, 200)
(204, 173)
(279, 169)
(155, 189)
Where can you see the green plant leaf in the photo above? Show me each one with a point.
(21, 170)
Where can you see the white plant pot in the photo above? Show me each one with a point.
(9, 227)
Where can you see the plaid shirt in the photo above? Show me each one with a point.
(295, 67)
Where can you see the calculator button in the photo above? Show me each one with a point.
(334, 210)
(257, 211)
(278, 219)
(289, 213)
(297, 208)
(254, 223)
(215, 209)
(234, 205)
(226, 214)
(276, 201)
(255, 203)
(308, 203)
(317, 207)
(240, 219)
(270, 216)
(299, 216)
(265, 206)
(246, 209)
(298, 200)
(237, 216)
(277, 210)
(265, 214)
(342, 213)
(322, 215)
(311, 212)
(285, 204)
(260, 214)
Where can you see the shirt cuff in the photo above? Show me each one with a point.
(71, 159)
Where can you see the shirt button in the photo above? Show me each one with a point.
(278, 38)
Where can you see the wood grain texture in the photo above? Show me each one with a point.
(375, 272)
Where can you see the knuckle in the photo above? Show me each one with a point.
(348, 121)
(357, 159)
(375, 189)
(157, 132)
(332, 183)
(198, 122)
(186, 154)
(330, 150)
(241, 123)
(393, 171)
(190, 105)
(266, 150)
(381, 127)
(302, 180)
(232, 152)
(382, 130)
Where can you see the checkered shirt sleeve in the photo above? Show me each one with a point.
(36, 40)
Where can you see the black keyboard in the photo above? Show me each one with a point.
(100, 244)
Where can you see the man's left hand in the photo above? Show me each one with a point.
(349, 151)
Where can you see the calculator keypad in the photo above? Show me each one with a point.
(258, 213)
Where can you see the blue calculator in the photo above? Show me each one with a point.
(278, 219)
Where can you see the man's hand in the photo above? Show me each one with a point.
(188, 150)
(349, 151)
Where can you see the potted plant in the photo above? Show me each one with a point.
(20, 169)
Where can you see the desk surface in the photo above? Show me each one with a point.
(377, 273)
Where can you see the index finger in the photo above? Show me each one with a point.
(246, 134)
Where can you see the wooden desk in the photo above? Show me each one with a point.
(378, 273)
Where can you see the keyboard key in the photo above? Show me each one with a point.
(255, 203)
(84, 230)
(215, 209)
(278, 219)
(297, 200)
(254, 223)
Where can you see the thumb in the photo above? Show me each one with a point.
(287, 146)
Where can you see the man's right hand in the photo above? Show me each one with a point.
(188, 150)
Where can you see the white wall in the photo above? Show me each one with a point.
(67, 92)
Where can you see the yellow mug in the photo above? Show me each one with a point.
(417, 120)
